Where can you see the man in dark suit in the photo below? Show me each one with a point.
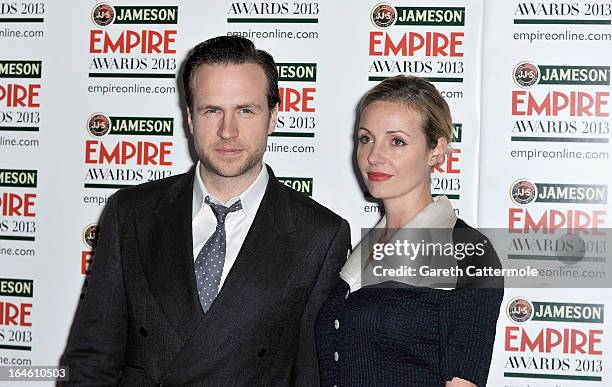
(213, 277)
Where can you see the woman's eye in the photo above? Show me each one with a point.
(398, 142)
(364, 139)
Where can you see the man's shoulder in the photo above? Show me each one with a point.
(308, 210)
(152, 192)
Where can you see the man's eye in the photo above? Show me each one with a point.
(210, 110)
(246, 111)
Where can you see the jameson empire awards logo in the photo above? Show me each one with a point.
(555, 341)
(300, 184)
(523, 192)
(298, 93)
(105, 14)
(423, 41)
(521, 310)
(20, 68)
(15, 314)
(527, 74)
(18, 178)
(133, 40)
(127, 150)
(99, 124)
(297, 72)
(18, 204)
(553, 114)
(553, 233)
(384, 15)
(12, 287)
(20, 89)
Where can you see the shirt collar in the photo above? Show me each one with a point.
(250, 198)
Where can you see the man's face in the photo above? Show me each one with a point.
(230, 119)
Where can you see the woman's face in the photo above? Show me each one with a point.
(392, 151)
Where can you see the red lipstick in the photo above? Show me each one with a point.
(378, 176)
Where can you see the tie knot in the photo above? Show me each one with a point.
(221, 211)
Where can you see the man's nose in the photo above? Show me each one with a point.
(228, 128)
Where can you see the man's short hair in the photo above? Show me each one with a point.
(230, 50)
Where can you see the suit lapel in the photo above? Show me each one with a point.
(168, 261)
(261, 266)
(256, 265)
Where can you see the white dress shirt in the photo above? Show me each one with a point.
(237, 223)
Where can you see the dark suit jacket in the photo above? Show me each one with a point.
(140, 322)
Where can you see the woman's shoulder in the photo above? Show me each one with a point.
(460, 223)
(463, 232)
(484, 257)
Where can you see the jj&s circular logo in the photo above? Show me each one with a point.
(383, 15)
(103, 14)
(523, 192)
(90, 235)
(98, 124)
(526, 74)
(520, 310)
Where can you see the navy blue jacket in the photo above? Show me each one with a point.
(398, 335)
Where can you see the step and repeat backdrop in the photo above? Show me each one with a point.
(89, 103)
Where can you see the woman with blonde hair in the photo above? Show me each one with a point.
(381, 329)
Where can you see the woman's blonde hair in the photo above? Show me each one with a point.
(421, 96)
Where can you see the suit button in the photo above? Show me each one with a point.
(336, 324)
(143, 332)
(336, 356)
(262, 352)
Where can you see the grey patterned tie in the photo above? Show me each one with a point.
(210, 260)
